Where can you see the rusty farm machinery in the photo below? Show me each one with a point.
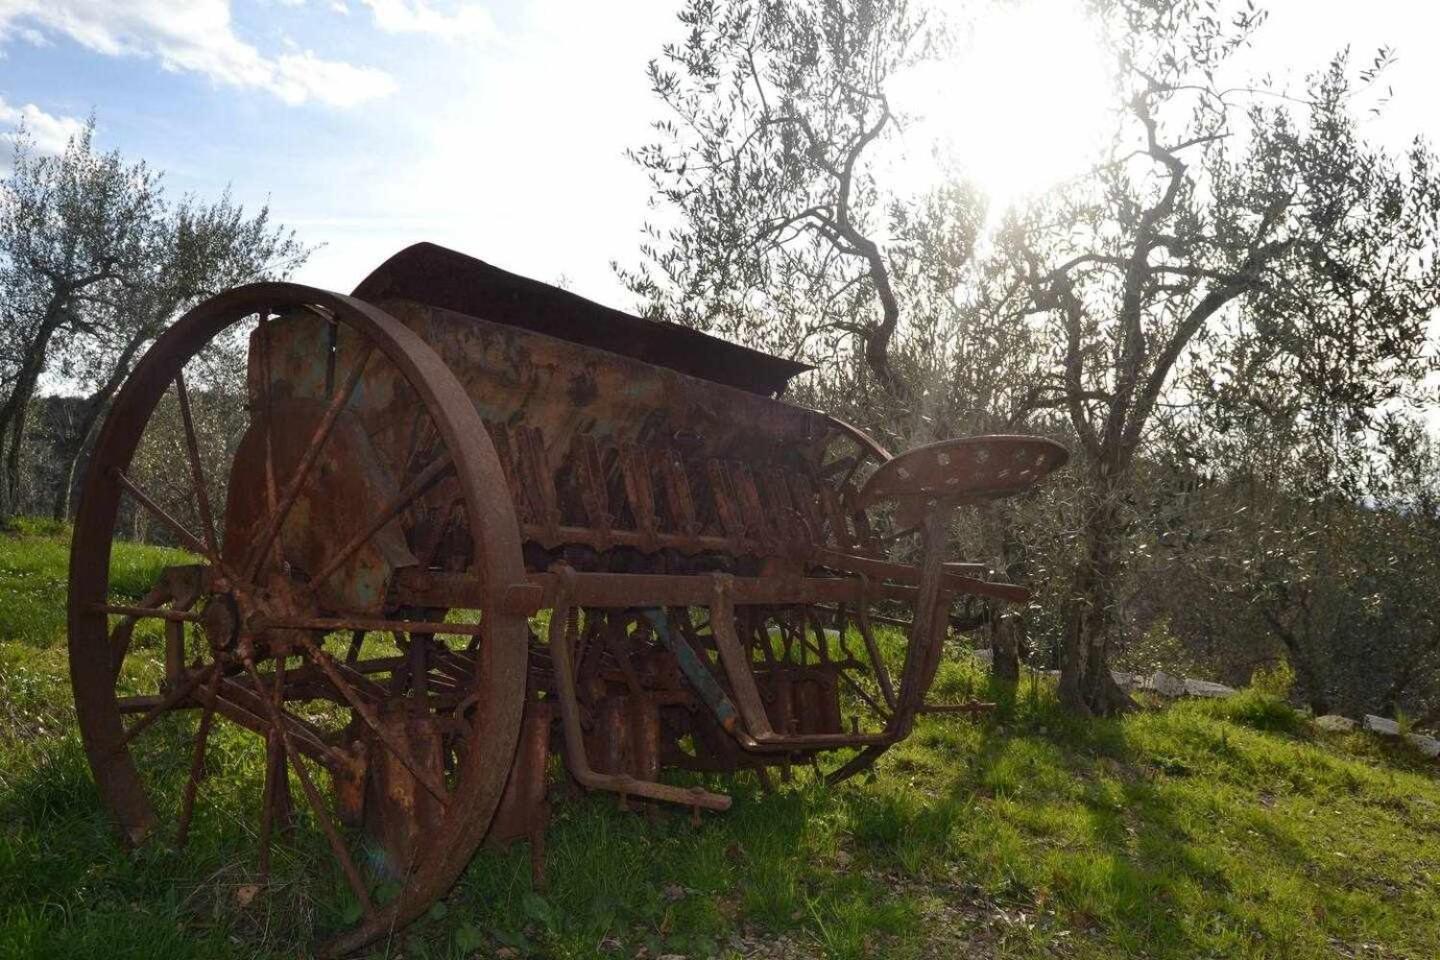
(472, 521)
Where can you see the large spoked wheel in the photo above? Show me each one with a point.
(287, 633)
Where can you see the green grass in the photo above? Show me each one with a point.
(1207, 829)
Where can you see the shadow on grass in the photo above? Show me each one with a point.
(1205, 827)
(1142, 836)
(70, 888)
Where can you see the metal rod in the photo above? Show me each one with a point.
(760, 735)
(271, 494)
(872, 650)
(275, 765)
(854, 685)
(412, 490)
(191, 541)
(958, 624)
(561, 627)
(168, 701)
(330, 624)
(307, 462)
(367, 713)
(337, 845)
(147, 613)
(239, 708)
(317, 805)
(197, 761)
(197, 473)
(124, 631)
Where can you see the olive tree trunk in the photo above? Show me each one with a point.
(1087, 686)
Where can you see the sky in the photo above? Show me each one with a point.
(499, 128)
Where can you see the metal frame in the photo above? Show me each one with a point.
(688, 536)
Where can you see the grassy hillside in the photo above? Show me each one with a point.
(1208, 829)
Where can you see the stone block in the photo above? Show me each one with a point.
(1166, 685)
(1426, 745)
(1207, 688)
(1381, 725)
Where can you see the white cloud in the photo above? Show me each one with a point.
(193, 36)
(464, 20)
(299, 75)
(49, 132)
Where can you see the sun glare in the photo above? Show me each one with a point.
(1021, 107)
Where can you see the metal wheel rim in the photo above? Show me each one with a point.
(493, 527)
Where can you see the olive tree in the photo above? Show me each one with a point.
(781, 222)
(95, 261)
(1221, 206)
(777, 226)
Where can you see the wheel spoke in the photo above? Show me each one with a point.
(197, 473)
(124, 631)
(357, 641)
(275, 766)
(367, 713)
(422, 431)
(850, 474)
(415, 488)
(197, 760)
(419, 666)
(850, 681)
(368, 689)
(167, 702)
(244, 707)
(146, 613)
(312, 796)
(337, 845)
(877, 661)
(307, 461)
(191, 541)
(271, 496)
